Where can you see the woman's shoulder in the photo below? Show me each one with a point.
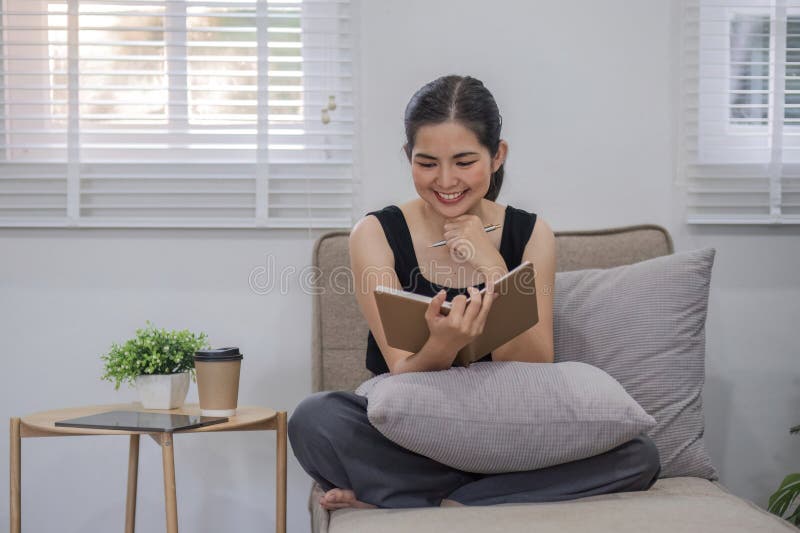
(368, 225)
(535, 226)
(387, 209)
(377, 226)
(394, 217)
(521, 212)
(522, 221)
(388, 216)
(541, 234)
(368, 243)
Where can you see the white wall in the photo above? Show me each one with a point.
(588, 95)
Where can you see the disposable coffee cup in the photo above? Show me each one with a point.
(218, 380)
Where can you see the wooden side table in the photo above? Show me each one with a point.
(246, 419)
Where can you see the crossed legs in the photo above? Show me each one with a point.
(335, 443)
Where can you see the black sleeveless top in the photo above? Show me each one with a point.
(517, 228)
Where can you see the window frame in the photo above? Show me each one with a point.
(264, 175)
(734, 173)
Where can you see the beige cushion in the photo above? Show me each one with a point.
(673, 505)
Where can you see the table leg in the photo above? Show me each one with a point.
(280, 469)
(168, 454)
(15, 476)
(133, 476)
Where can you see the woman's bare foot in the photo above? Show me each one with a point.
(340, 499)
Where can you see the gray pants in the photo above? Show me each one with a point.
(335, 443)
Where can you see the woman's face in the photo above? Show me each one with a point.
(451, 169)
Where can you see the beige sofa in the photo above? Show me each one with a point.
(680, 504)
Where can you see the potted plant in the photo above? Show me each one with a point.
(157, 362)
(782, 499)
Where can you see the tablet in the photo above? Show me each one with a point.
(141, 421)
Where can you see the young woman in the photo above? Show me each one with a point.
(456, 154)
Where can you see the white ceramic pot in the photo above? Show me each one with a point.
(162, 391)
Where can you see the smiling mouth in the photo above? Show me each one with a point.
(450, 197)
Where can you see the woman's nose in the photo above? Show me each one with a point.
(447, 179)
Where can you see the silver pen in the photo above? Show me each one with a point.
(487, 229)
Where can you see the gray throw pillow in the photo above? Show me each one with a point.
(644, 324)
(498, 417)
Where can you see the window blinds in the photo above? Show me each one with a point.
(740, 118)
(166, 113)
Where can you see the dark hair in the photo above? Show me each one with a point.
(462, 99)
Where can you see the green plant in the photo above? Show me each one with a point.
(152, 351)
(783, 498)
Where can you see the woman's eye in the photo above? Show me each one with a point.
(460, 163)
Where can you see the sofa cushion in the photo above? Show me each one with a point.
(498, 417)
(675, 504)
(644, 324)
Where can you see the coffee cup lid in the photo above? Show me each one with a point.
(229, 353)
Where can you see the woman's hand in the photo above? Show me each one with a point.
(469, 242)
(463, 323)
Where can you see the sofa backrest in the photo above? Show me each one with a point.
(339, 331)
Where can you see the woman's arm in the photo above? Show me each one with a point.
(535, 345)
(372, 264)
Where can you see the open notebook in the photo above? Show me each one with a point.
(513, 311)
